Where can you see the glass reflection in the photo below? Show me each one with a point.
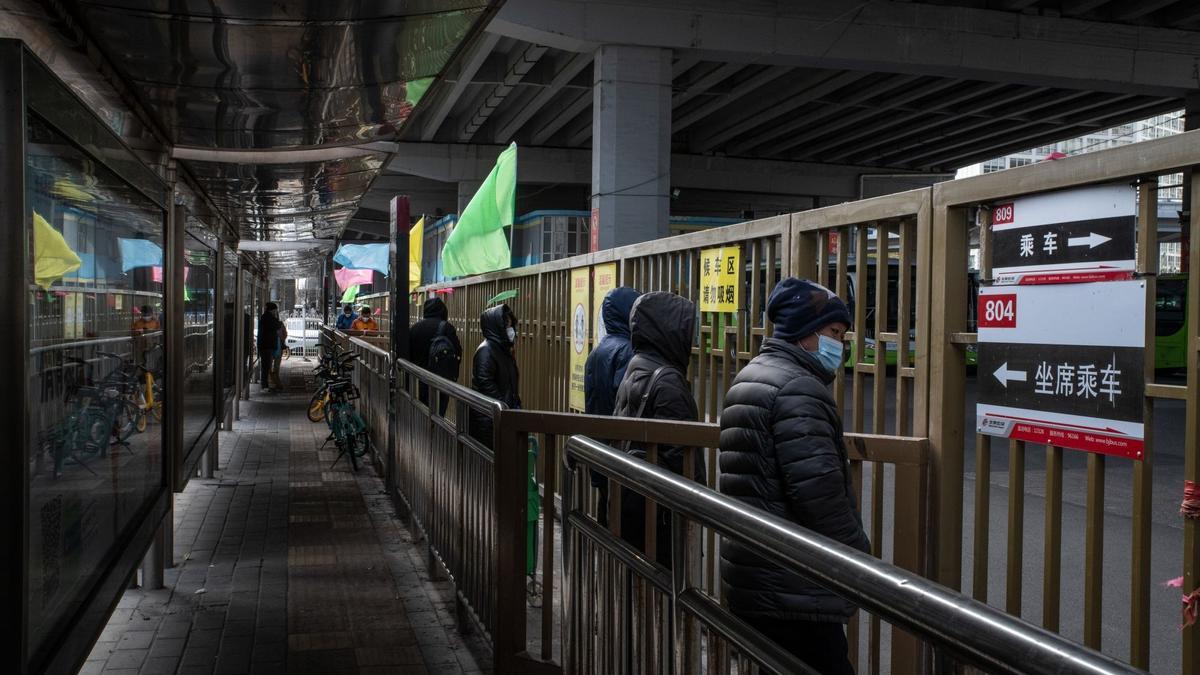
(198, 311)
(95, 283)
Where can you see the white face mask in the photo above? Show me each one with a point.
(512, 334)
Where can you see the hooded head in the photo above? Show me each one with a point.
(494, 323)
(663, 324)
(615, 309)
(435, 308)
(799, 308)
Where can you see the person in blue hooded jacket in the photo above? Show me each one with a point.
(605, 368)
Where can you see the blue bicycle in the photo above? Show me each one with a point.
(347, 428)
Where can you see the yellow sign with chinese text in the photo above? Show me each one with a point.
(604, 279)
(720, 279)
(578, 321)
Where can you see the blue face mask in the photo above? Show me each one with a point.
(829, 353)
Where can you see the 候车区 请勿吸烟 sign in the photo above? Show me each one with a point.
(720, 279)
(1069, 236)
(1057, 368)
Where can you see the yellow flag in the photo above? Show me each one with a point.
(416, 239)
(52, 257)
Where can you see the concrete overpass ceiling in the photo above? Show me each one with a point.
(928, 85)
(894, 121)
(325, 80)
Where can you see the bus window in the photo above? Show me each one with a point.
(1169, 305)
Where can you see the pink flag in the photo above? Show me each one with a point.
(347, 277)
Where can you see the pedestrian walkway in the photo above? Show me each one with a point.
(284, 564)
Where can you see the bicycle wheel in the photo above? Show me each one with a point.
(362, 443)
(316, 406)
(352, 450)
(125, 420)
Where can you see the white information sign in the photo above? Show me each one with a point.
(1063, 365)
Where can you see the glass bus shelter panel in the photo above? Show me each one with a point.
(95, 299)
(200, 276)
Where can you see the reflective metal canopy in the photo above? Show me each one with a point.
(254, 75)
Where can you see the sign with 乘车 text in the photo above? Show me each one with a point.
(578, 321)
(720, 279)
(1070, 236)
(1063, 365)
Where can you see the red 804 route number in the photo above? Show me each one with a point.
(998, 311)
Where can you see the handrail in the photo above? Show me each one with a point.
(966, 627)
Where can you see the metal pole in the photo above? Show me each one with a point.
(239, 344)
(154, 562)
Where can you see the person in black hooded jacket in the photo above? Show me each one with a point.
(494, 370)
(605, 368)
(782, 452)
(420, 338)
(662, 327)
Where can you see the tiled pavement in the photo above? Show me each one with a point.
(287, 565)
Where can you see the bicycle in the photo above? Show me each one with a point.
(347, 428)
(333, 366)
(94, 418)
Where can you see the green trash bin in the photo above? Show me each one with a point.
(533, 510)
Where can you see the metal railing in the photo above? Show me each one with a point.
(671, 625)
(913, 345)
(372, 377)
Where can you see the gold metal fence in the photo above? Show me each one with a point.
(902, 260)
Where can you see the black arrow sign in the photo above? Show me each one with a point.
(1101, 382)
(1056, 244)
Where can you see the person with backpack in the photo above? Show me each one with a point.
(494, 369)
(662, 330)
(433, 345)
(782, 451)
(605, 368)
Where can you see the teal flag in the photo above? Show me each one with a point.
(478, 243)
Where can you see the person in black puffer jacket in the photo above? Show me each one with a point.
(782, 451)
(494, 370)
(420, 339)
(662, 327)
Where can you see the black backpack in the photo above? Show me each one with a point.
(444, 359)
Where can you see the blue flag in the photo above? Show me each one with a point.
(139, 253)
(364, 257)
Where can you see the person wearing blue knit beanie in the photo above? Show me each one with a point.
(782, 451)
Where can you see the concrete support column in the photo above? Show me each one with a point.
(631, 145)
(467, 189)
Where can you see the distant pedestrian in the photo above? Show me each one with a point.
(605, 368)
(494, 369)
(365, 322)
(782, 451)
(433, 345)
(662, 330)
(268, 342)
(346, 318)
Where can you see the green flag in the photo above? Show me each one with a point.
(350, 294)
(478, 244)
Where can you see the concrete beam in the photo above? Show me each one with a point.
(834, 114)
(453, 163)
(914, 38)
(470, 66)
(803, 93)
(562, 116)
(519, 63)
(575, 64)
